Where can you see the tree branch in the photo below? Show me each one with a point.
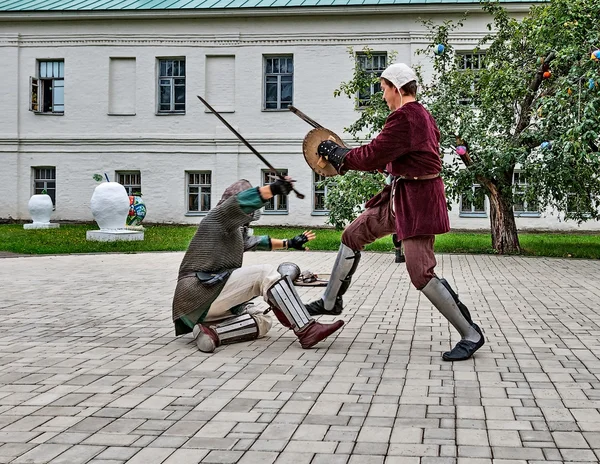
(535, 84)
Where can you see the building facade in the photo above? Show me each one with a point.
(110, 88)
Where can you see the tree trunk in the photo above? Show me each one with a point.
(505, 238)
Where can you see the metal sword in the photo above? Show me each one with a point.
(245, 142)
(302, 116)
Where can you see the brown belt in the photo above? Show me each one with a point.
(425, 177)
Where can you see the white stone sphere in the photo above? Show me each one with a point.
(40, 208)
(110, 205)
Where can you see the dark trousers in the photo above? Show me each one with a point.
(379, 221)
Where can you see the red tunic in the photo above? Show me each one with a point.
(408, 145)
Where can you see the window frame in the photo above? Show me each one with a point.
(279, 76)
(363, 101)
(40, 86)
(474, 212)
(277, 200)
(199, 194)
(172, 85)
(463, 54)
(517, 185)
(316, 190)
(130, 187)
(51, 191)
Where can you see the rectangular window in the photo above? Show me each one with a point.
(279, 82)
(47, 91)
(44, 178)
(171, 85)
(521, 206)
(277, 204)
(472, 61)
(473, 203)
(198, 191)
(131, 180)
(373, 64)
(320, 193)
(579, 204)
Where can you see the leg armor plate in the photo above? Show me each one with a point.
(345, 265)
(283, 296)
(232, 330)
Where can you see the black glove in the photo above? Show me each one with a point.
(298, 242)
(334, 153)
(281, 187)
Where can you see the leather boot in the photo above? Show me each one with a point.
(464, 349)
(317, 307)
(310, 334)
(315, 332)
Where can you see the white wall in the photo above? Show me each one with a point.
(87, 140)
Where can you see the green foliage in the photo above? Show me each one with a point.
(513, 109)
(97, 177)
(346, 194)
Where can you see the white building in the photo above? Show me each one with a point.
(114, 87)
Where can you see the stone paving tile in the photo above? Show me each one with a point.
(102, 379)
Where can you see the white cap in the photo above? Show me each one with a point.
(399, 74)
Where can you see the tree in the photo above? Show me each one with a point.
(533, 106)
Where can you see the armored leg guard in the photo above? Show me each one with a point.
(289, 269)
(463, 309)
(233, 330)
(472, 337)
(290, 311)
(341, 276)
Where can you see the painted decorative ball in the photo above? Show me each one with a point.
(539, 60)
(591, 84)
(439, 49)
(461, 150)
(545, 145)
(596, 55)
(547, 75)
(569, 91)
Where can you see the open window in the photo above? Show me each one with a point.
(47, 90)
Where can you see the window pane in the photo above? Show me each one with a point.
(165, 94)
(182, 68)
(179, 94)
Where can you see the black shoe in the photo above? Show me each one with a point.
(464, 349)
(316, 308)
(400, 257)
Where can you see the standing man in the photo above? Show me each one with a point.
(413, 206)
(213, 286)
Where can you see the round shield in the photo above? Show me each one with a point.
(311, 142)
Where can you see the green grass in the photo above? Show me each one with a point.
(71, 239)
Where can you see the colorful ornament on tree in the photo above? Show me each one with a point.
(546, 145)
(591, 84)
(539, 60)
(547, 75)
(595, 55)
(439, 49)
(461, 150)
(569, 91)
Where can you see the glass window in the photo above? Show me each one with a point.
(50, 87)
(470, 62)
(198, 191)
(520, 205)
(171, 85)
(473, 204)
(131, 180)
(277, 204)
(320, 192)
(44, 178)
(373, 64)
(279, 82)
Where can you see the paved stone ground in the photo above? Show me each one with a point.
(90, 371)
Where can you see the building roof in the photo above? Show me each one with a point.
(154, 5)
